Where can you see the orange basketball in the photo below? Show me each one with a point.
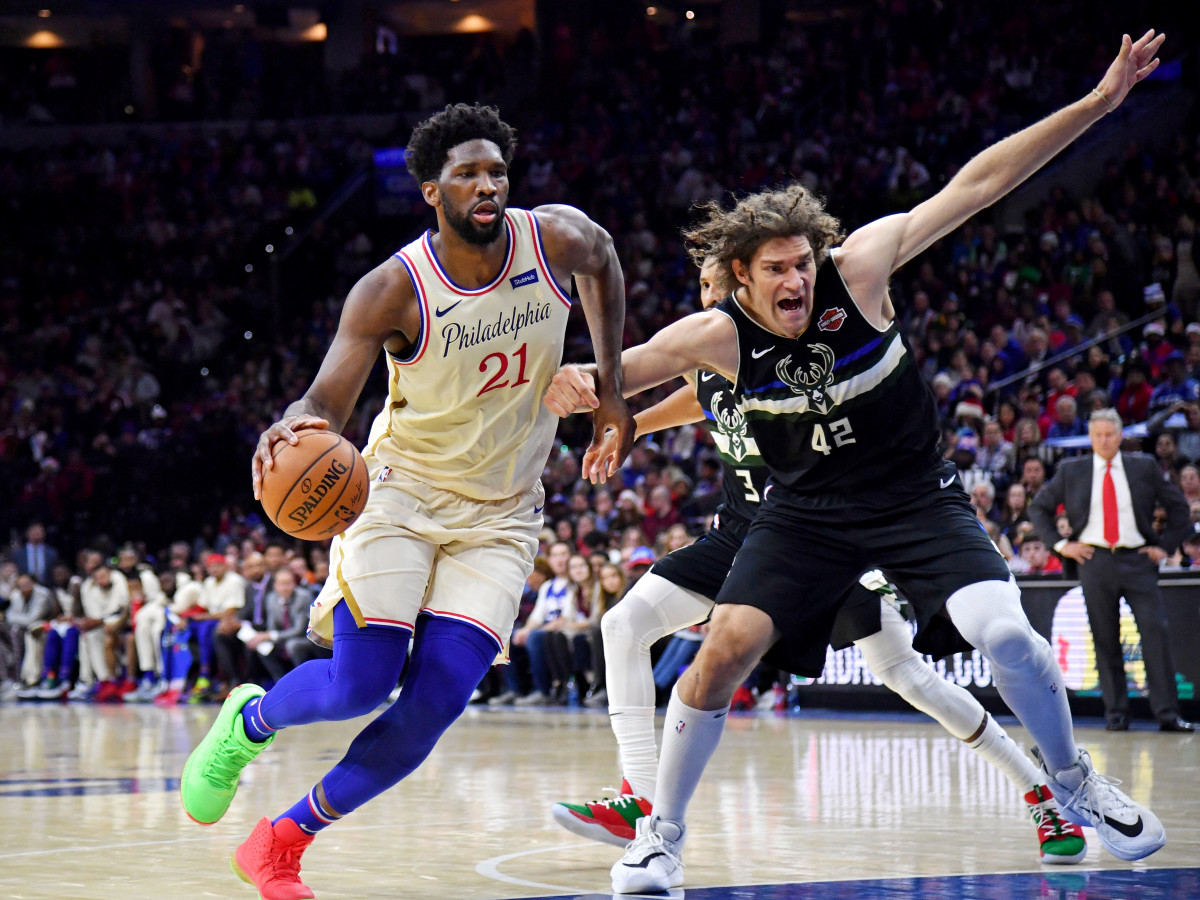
(317, 487)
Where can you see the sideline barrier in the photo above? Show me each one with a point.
(1056, 609)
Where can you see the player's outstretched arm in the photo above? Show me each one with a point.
(577, 244)
(573, 390)
(379, 306)
(704, 340)
(680, 408)
(873, 252)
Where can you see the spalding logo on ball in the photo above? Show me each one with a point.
(315, 488)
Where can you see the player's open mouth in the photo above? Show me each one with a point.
(790, 304)
(484, 213)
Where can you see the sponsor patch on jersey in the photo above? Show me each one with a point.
(832, 319)
(524, 278)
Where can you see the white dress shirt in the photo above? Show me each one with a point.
(1093, 532)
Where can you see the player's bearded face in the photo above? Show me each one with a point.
(479, 222)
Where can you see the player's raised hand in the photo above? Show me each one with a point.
(283, 430)
(1136, 60)
(572, 390)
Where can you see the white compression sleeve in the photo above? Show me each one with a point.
(653, 609)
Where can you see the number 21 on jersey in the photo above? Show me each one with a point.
(501, 359)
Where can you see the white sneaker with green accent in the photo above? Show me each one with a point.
(652, 860)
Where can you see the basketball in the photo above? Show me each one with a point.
(317, 487)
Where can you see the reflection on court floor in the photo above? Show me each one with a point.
(800, 807)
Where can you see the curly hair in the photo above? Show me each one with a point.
(433, 139)
(738, 232)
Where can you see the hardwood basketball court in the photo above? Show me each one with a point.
(91, 810)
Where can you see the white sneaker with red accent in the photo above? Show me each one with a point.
(610, 821)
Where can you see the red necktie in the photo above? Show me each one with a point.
(1112, 528)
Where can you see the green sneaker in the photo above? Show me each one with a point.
(1060, 842)
(200, 690)
(210, 775)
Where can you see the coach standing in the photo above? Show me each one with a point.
(1110, 499)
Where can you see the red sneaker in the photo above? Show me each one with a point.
(270, 860)
(108, 692)
(609, 821)
(1059, 841)
(743, 699)
(167, 698)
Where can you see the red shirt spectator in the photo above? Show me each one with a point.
(663, 513)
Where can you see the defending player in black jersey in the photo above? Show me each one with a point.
(856, 482)
(677, 593)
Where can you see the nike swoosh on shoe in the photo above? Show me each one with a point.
(645, 862)
(1129, 829)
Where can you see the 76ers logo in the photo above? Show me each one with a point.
(832, 319)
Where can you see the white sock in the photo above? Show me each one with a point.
(690, 736)
(634, 729)
(997, 748)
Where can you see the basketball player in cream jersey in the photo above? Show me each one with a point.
(471, 319)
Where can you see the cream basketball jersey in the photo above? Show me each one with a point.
(464, 409)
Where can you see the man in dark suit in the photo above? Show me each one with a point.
(1110, 499)
(35, 557)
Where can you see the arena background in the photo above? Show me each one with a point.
(189, 189)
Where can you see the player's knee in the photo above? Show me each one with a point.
(908, 677)
(615, 625)
(722, 665)
(1010, 643)
(359, 693)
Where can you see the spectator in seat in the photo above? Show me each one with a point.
(995, 454)
(104, 612)
(1067, 423)
(1133, 402)
(26, 609)
(265, 649)
(1035, 558)
(1166, 452)
(1186, 434)
(1178, 386)
(612, 589)
(223, 593)
(542, 632)
(1033, 475)
(1015, 511)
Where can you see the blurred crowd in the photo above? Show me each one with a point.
(146, 337)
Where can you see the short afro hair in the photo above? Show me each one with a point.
(433, 139)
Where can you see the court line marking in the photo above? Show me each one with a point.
(490, 868)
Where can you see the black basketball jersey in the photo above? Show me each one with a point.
(840, 408)
(743, 474)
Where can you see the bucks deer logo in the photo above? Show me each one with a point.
(732, 424)
(811, 378)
